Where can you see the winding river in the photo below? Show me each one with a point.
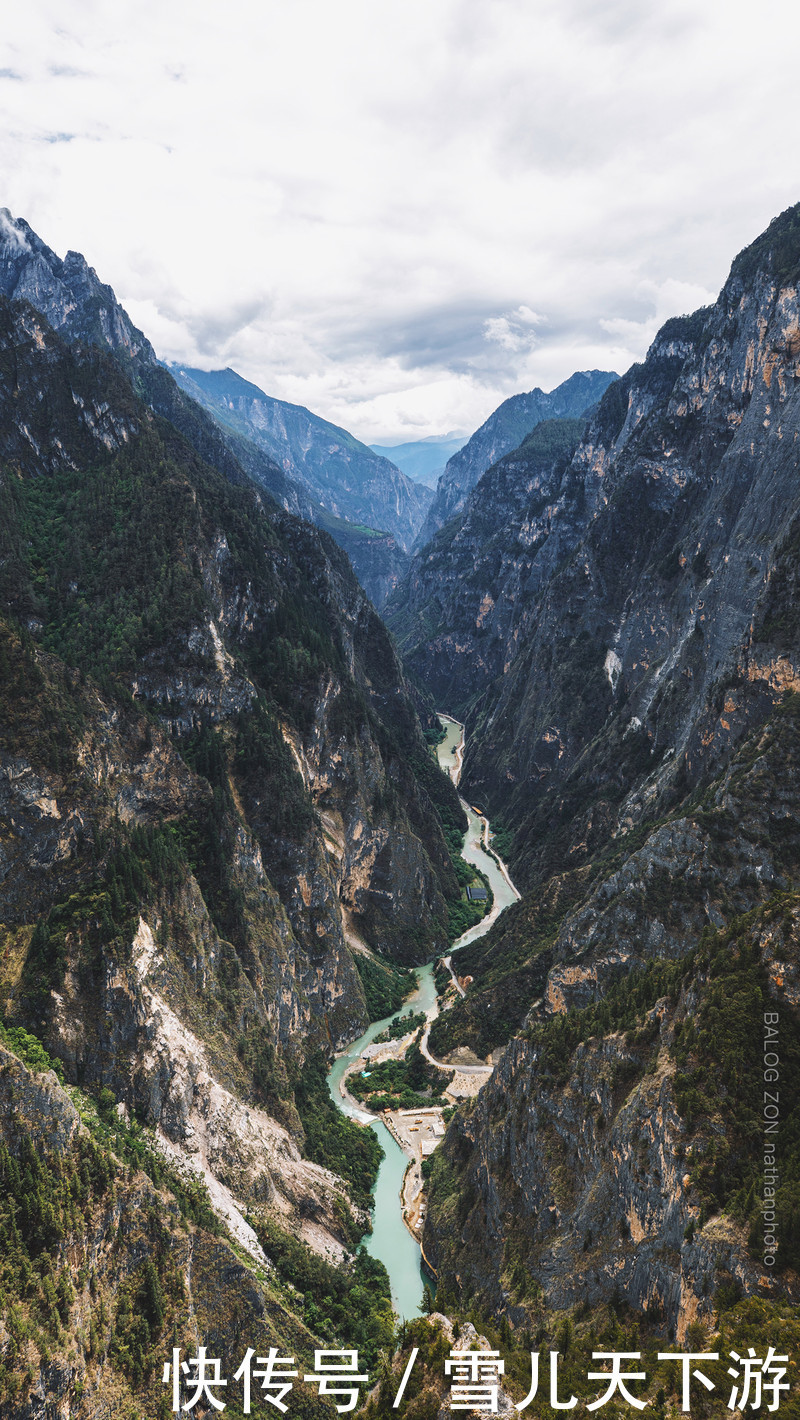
(390, 1240)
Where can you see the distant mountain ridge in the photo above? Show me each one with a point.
(422, 459)
(341, 473)
(503, 431)
(77, 304)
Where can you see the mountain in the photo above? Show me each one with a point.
(422, 459)
(378, 560)
(592, 609)
(503, 431)
(615, 616)
(68, 293)
(454, 612)
(223, 840)
(75, 302)
(221, 831)
(346, 477)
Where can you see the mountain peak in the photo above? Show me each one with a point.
(505, 430)
(776, 252)
(68, 292)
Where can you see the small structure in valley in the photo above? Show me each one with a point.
(476, 892)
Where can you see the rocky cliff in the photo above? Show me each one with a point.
(603, 1162)
(216, 798)
(632, 626)
(646, 615)
(453, 613)
(377, 559)
(503, 431)
(616, 1148)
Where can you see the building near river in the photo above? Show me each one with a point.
(476, 893)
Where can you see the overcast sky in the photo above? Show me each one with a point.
(398, 212)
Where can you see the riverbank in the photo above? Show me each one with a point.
(408, 1136)
(450, 750)
(451, 759)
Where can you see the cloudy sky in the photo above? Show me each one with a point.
(398, 212)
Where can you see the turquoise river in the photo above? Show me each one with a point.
(390, 1240)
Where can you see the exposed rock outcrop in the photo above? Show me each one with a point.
(503, 431)
(610, 629)
(207, 747)
(640, 738)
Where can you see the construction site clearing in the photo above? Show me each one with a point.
(417, 1131)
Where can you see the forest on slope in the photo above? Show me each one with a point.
(215, 794)
(225, 840)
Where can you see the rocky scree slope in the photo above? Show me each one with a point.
(215, 794)
(110, 1259)
(503, 431)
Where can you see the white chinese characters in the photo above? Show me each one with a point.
(475, 1380)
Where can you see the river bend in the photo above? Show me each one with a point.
(390, 1240)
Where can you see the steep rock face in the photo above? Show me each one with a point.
(68, 293)
(455, 613)
(349, 479)
(378, 560)
(177, 1022)
(648, 895)
(616, 1149)
(207, 658)
(503, 431)
(587, 1185)
(208, 767)
(644, 636)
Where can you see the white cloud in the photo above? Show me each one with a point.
(13, 233)
(399, 214)
(514, 332)
(662, 300)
